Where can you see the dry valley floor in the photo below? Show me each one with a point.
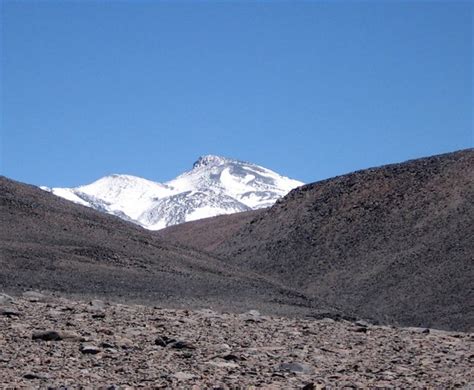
(50, 341)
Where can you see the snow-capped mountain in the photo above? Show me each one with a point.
(214, 186)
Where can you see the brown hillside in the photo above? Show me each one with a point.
(48, 243)
(394, 243)
(209, 233)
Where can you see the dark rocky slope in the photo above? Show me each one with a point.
(48, 243)
(394, 243)
(209, 233)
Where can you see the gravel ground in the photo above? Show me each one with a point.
(50, 341)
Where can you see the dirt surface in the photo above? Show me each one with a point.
(48, 243)
(394, 244)
(52, 342)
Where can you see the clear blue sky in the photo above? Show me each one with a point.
(309, 89)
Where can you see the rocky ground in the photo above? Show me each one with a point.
(50, 341)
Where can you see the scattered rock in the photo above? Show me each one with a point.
(180, 348)
(35, 296)
(105, 344)
(231, 357)
(53, 335)
(360, 329)
(47, 335)
(251, 316)
(55, 313)
(89, 349)
(328, 320)
(70, 336)
(181, 344)
(106, 331)
(9, 312)
(224, 364)
(362, 323)
(418, 330)
(298, 368)
(124, 342)
(163, 341)
(254, 313)
(183, 376)
(97, 305)
(6, 299)
(31, 375)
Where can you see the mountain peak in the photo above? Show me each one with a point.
(210, 160)
(216, 185)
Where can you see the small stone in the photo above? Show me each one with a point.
(105, 344)
(70, 336)
(53, 335)
(34, 296)
(183, 376)
(163, 341)
(9, 312)
(221, 348)
(224, 364)
(251, 316)
(106, 331)
(298, 368)
(180, 344)
(418, 330)
(89, 349)
(48, 335)
(231, 357)
(124, 342)
(362, 323)
(97, 305)
(327, 320)
(254, 313)
(5, 299)
(31, 375)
